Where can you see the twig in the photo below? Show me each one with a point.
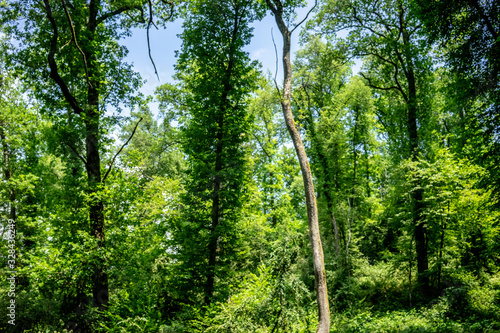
(119, 151)
(276, 73)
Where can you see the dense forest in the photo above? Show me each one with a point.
(322, 199)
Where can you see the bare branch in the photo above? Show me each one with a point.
(276, 73)
(396, 73)
(305, 18)
(119, 151)
(118, 11)
(150, 21)
(378, 87)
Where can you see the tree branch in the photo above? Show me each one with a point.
(272, 7)
(378, 87)
(73, 34)
(276, 73)
(261, 145)
(363, 26)
(54, 73)
(119, 151)
(150, 21)
(305, 18)
(484, 17)
(119, 11)
(396, 72)
(76, 153)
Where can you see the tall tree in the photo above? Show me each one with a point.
(215, 77)
(283, 15)
(387, 35)
(319, 75)
(467, 33)
(70, 53)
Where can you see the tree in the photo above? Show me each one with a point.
(467, 34)
(319, 76)
(283, 12)
(387, 35)
(215, 77)
(70, 53)
(155, 146)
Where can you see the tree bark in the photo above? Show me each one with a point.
(312, 211)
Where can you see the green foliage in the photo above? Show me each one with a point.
(205, 219)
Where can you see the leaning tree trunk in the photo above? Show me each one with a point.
(312, 210)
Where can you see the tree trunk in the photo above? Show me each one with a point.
(100, 289)
(212, 246)
(312, 210)
(354, 157)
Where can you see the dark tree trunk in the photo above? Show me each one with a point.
(100, 288)
(212, 246)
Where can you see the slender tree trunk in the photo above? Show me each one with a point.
(212, 247)
(367, 155)
(312, 210)
(354, 157)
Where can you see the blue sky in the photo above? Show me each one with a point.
(164, 43)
